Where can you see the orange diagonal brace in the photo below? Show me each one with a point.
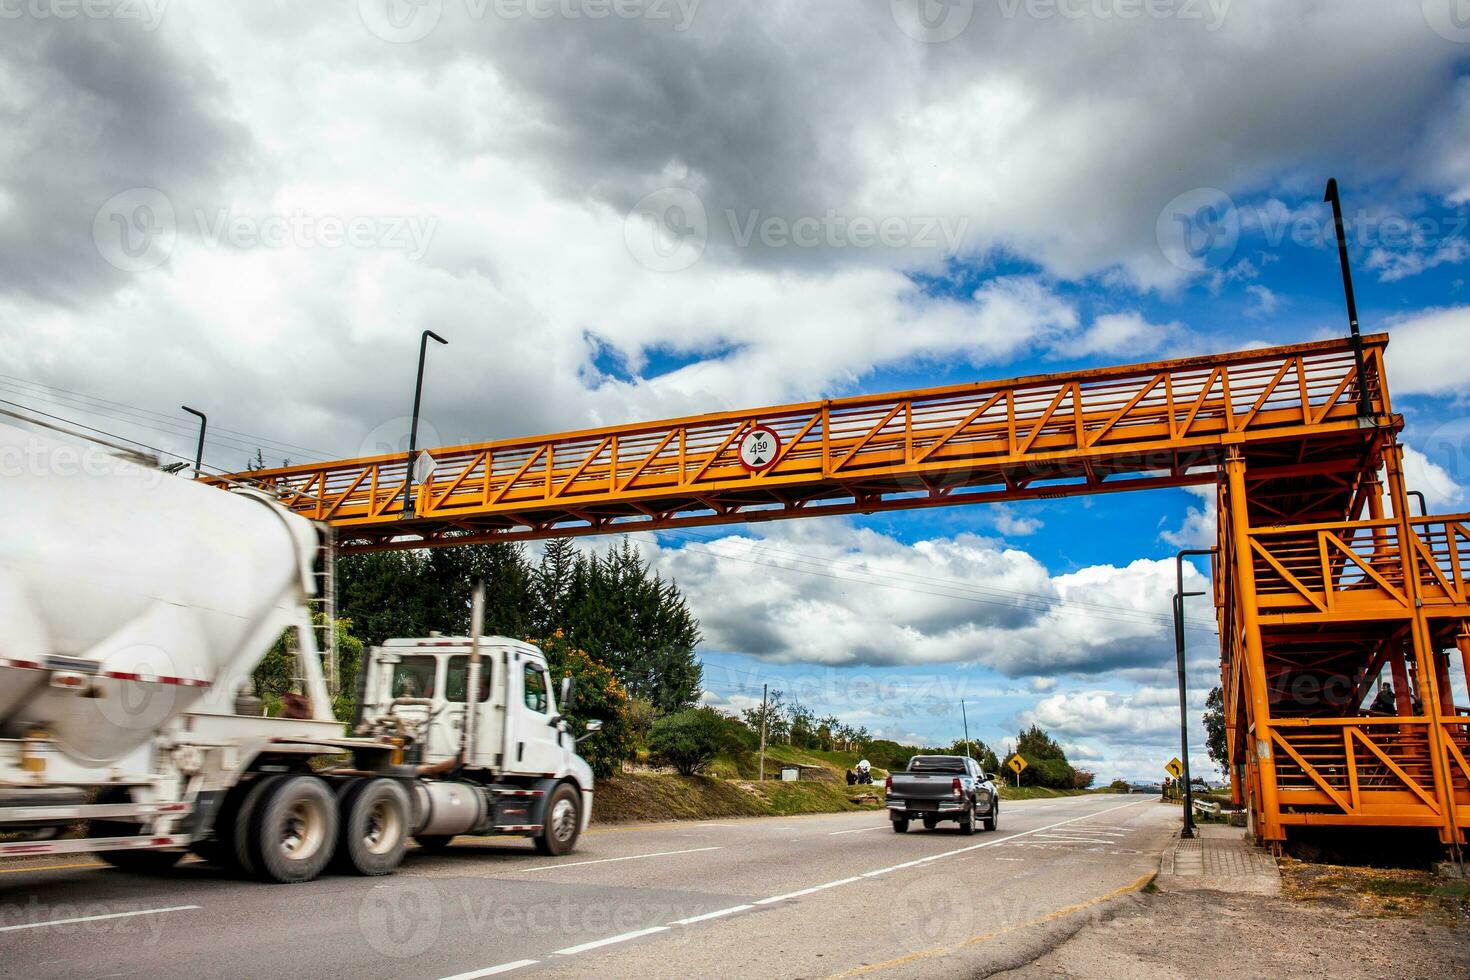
(1418, 790)
(1311, 772)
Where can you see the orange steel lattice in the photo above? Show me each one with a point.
(1151, 425)
(1315, 590)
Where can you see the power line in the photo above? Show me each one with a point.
(146, 417)
(163, 426)
(111, 435)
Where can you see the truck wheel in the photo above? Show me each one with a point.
(434, 844)
(930, 823)
(374, 827)
(994, 819)
(293, 831)
(236, 835)
(563, 821)
(147, 862)
(901, 826)
(967, 822)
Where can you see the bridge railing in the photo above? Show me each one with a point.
(1357, 566)
(1146, 422)
(1356, 767)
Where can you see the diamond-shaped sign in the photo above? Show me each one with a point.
(1175, 768)
(1016, 764)
(423, 467)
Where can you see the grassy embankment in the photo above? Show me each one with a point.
(731, 789)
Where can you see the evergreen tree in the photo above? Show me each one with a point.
(1215, 729)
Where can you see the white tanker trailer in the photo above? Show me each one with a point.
(134, 608)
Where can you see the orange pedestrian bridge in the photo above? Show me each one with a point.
(1323, 579)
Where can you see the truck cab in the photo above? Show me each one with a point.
(519, 733)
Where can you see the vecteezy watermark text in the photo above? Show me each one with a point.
(670, 229)
(138, 229)
(833, 229)
(1201, 229)
(937, 21)
(147, 13)
(406, 21)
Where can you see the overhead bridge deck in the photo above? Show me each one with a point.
(1291, 410)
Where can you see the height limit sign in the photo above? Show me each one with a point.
(759, 448)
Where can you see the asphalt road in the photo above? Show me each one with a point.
(773, 897)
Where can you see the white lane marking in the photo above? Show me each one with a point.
(624, 937)
(860, 830)
(808, 891)
(599, 943)
(711, 915)
(492, 970)
(731, 825)
(630, 857)
(98, 918)
(1003, 840)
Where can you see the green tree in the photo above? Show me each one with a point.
(690, 740)
(1215, 729)
(415, 593)
(623, 614)
(276, 674)
(597, 694)
(1046, 763)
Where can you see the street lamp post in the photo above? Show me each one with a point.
(203, 425)
(1179, 596)
(413, 434)
(1365, 401)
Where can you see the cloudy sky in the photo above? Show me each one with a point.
(629, 209)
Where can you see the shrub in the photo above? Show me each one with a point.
(689, 740)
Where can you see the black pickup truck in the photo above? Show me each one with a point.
(943, 787)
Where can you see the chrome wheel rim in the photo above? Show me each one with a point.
(384, 827)
(563, 820)
(303, 830)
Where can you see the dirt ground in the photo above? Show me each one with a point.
(1329, 922)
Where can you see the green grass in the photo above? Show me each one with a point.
(664, 796)
(831, 766)
(730, 788)
(1009, 792)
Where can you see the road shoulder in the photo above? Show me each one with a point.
(1225, 906)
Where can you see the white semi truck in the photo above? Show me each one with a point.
(134, 608)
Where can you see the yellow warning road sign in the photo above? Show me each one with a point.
(1175, 768)
(1016, 764)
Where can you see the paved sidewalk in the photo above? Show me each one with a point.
(1221, 858)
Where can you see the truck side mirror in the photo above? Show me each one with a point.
(593, 727)
(568, 691)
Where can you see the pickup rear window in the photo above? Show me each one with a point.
(938, 763)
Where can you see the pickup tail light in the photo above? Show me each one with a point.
(956, 787)
(888, 784)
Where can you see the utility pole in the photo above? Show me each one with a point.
(765, 692)
(966, 720)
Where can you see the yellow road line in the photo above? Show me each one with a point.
(1138, 885)
(51, 867)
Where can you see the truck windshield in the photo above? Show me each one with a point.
(413, 677)
(457, 678)
(937, 763)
